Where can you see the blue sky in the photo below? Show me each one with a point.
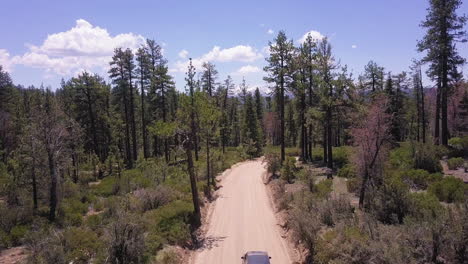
(43, 41)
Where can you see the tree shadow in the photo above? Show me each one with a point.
(210, 242)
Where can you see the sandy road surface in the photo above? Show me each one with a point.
(242, 220)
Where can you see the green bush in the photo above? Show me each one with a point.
(392, 202)
(424, 207)
(427, 156)
(449, 189)
(455, 163)
(81, 244)
(418, 156)
(323, 188)
(273, 161)
(421, 179)
(347, 171)
(168, 224)
(72, 210)
(289, 169)
(317, 154)
(17, 234)
(341, 156)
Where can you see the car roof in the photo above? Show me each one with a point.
(264, 253)
(257, 257)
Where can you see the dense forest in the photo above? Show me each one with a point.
(118, 168)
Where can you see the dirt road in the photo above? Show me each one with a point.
(242, 220)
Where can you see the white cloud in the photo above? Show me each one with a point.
(247, 69)
(183, 54)
(316, 36)
(270, 31)
(354, 46)
(240, 53)
(83, 47)
(5, 60)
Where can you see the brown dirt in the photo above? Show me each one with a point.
(458, 173)
(14, 255)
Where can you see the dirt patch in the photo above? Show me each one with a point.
(94, 183)
(14, 255)
(458, 173)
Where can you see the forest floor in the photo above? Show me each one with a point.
(13, 255)
(458, 173)
(241, 219)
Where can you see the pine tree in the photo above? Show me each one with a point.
(144, 74)
(278, 69)
(191, 85)
(444, 29)
(209, 76)
(373, 76)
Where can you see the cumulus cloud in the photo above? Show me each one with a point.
(5, 60)
(354, 46)
(316, 36)
(183, 54)
(270, 31)
(83, 47)
(247, 69)
(240, 53)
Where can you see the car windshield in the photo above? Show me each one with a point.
(258, 259)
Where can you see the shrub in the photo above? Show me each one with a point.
(449, 189)
(323, 188)
(81, 244)
(152, 198)
(341, 156)
(273, 161)
(424, 207)
(427, 156)
(168, 224)
(353, 184)
(289, 169)
(317, 154)
(455, 163)
(392, 203)
(347, 171)
(126, 241)
(17, 234)
(168, 255)
(421, 179)
(72, 210)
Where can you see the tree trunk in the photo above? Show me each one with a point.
(423, 111)
(208, 167)
(143, 120)
(132, 119)
(362, 192)
(437, 115)
(329, 140)
(34, 185)
(324, 143)
(193, 185)
(53, 185)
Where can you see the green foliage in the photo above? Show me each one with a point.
(392, 203)
(168, 225)
(273, 161)
(418, 156)
(420, 179)
(323, 188)
(424, 207)
(341, 156)
(288, 170)
(72, 211)
(455, 163)
(449, 189)
(81, 244)
(347, 171)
